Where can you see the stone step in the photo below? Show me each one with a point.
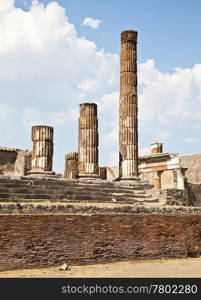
(19, 188)
(89, 197)
(36, 190)
(133, 195)
(84, 200)
(16, 193)
(103, 184)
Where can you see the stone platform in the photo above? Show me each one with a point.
(32, 189)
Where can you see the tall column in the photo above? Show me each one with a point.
(42, 153)
(71, 165)
(88, 141)
(128, 107)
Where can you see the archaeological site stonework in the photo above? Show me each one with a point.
(71, 165)
(128, 107)
(147, 207)
(35, 241)
(88, 141)
(42, 153)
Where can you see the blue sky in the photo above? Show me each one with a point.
(168, 30)
(51, 62)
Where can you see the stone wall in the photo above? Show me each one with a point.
(173, 197)
(169, 179)
(15, 162)
(147, 177)
(33, 241)
(22, 163)
(192, 163)
(7, 162)
(194, 194)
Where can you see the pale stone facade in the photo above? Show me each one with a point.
(128, 107)
(162, 170)
(14, 162)
(192, 163)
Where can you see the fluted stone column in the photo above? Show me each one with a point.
(42, 153)
(71, 165)
(88, 141)
(128, 107)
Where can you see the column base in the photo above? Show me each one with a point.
(128, 181)
(130, 178)
(89, 177)
(37, 173)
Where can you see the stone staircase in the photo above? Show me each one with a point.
(27, 189)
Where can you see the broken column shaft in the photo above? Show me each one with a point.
(42, 153)
(128, 107)
(71, 165)
(88, 141)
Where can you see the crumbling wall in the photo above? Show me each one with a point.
(147, 177)
(22, 163)
(192, 163)
(169, 179)
(7, 162)
(173, 197)
(194, 194)
(16, 162)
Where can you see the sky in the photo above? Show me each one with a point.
(55, 55)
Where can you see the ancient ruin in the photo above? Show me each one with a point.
(128, 107)
(99, 214)
(88, 141)
(71, 166)
(42, 153)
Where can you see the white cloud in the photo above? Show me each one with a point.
(93, 23)
(166, 96)
(111, 137)
(109, 104)
(6, 5)
(45, 61)
(162, 135)
(32, 116)
(47, 69)
(189, 140)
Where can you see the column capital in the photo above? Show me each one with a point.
(129, 36)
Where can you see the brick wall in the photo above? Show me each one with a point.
(33, 241)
